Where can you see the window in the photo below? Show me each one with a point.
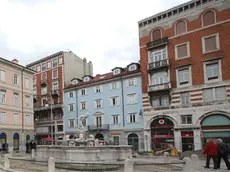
(156, 34)
(132, 118)
(71, 95)
(27, 101)
(157, 56)
(98, 103)
(83, 92)
(83, 105)
(181, 27)
(38, 68)
(28, 119)
(182, 51)
(43, 67)
(183, 76)
(3, 96)
(162, 101)
(132, 67)
(210, 43)
(116, 71)
(212, 71)
(49, 64)
(44, 101)
(98, 89)
(55, 63)
(131, 82)
(98, 121)
(116, 140)
(54, 73)
(71, 123)
(16, 118)
(55, 85)
(185, 98)
(132, 98)
(15, 79)
(3, 75)
(159, 78)
(44, 90)
(71, 107)
(115, 119)
(86, 79)
(27, 83)
(16, 99)
(34, 80)
(209, 18)
(115, 86)
(60, 60)
(186, 119)
(115, 101)
(44, 76)
(60, 128)
(35, 91)
(3, 117)
(212, 94)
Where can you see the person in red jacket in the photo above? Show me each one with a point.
(211, 151)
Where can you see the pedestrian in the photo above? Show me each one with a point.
(223, 152)
(211, 151)
(27, 147)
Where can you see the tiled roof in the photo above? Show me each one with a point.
(107, 76)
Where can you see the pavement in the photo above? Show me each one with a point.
(25, 166)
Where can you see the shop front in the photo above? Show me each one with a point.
(187, 140)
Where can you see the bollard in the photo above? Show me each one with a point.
(187, 167)
(7, 161)
(128, 166)
(51, 164)
(195, 161)
(11, 153)
(166, 157)
(32, 155)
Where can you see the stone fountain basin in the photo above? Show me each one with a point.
(84, 153)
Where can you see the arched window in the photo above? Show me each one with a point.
(180, 27)
(209, 18)
(156, 34)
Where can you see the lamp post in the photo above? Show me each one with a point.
(146, 140)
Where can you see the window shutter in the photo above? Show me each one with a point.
(95, 104)
(69, 123)
(69, 108)
(111, 86)
(136, 98)
(86, 105)
(128, 118)
(102, 103)
(118, 100)
(134, 81)
(80, 106)
(111, 101)
(79, 92)
(136, 117)
(86, 91)
(94, 89)
(127, 83)
(118, 85)
(101, 88)
(74, 107)
(127, 99)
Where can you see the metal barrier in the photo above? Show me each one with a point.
(188, 164)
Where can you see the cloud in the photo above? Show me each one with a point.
(103, 31)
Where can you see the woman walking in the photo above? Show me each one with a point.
(211, 151)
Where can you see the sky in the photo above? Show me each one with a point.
(103, 31)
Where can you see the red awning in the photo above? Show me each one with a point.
(48, 139)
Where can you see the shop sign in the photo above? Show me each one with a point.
(115, 133)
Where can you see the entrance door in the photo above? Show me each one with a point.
(187, 140)
(98, 121)
(99, 136)
(16, 141)
(134, 141)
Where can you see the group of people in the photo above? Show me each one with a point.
(30, 145)
(217, 150)
(4, 147)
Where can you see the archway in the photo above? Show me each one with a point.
(134, 141)
(99, 136)
(215, 125)
(16, 141)
(162, 134)
(28, 138)
(3, 138)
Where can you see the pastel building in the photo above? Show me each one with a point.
(16, 104)
(113, 103)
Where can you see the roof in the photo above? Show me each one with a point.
(107, 76)
(45, 58)
(17, 65)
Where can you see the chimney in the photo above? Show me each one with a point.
(15, 61)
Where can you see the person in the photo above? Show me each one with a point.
(32, 145)
(211, 152)
(3, 147)
(27, 147)
(222, 153)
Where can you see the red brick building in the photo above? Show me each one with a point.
(53, 73)
(185, 63)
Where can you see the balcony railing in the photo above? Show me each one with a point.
(40, 108)
(163, 86)
(44, 82)
(158, 64)
(98, 127)
(55, 92)
(157, 42)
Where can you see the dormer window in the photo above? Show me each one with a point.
(116, 71)
(86, 79)
(132, 67)
(75, 81)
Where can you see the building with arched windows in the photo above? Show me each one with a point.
(185, 62)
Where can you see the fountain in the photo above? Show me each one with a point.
(83, 149)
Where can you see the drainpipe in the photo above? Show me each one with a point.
(123, 102)
(22, 89)
(76, 108)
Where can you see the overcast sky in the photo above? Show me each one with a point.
(103, 31)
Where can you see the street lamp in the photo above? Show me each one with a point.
(146, 140)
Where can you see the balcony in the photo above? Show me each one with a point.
(44, 82)
(41, 108)
(158, 64)
(98, 127)
(157, 43)
(159, 87)
(55, 92)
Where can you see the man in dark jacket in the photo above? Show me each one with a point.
(222, 153)
(211, 152)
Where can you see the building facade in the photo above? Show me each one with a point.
(113, 103)
(185, 61)
(16, 109)
(53, 73)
